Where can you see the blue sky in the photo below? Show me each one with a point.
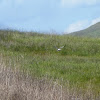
(49, 15)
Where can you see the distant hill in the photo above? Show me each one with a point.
(92, 31)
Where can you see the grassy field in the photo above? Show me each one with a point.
(76, 66)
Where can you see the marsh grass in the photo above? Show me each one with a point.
(44, 44)
(16, 85)
(76, 68)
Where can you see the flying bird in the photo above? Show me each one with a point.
(59, 49)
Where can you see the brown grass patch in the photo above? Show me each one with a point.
(15, 85)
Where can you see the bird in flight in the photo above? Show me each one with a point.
(60, 48)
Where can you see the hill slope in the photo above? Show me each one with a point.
(92, 31)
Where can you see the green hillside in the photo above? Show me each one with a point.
(78, 62)
(92, 31)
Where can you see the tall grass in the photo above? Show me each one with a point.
(76, 66)
(42, 43)
(16, 85)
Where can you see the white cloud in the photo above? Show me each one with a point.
(71, 3)
(94, 21)
(19, 1)
(76, 26)
(80, 25)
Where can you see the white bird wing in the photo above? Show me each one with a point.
(62, 47)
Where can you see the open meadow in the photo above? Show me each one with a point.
(38, 71)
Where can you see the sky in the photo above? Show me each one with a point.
(61, 16)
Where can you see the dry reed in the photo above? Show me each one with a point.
(15, 85)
